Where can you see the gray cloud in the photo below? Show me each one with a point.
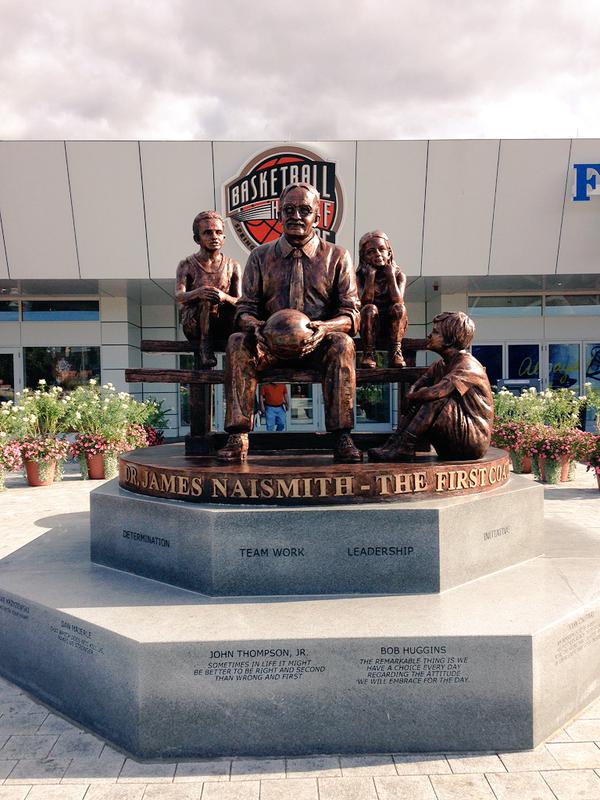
(179, 69)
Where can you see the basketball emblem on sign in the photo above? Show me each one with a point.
(252, 198)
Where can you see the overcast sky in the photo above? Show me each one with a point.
(299, 69)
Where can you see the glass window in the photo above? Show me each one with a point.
(506, 306)
(523, 361)
(490, 355)
(9, 311)
(563, 366)
(301, 404)
(7, 377)
(573, 304)
(374, 400)
(61, 366)
(60, 310)
(592, 364)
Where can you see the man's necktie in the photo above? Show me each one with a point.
(297, 281)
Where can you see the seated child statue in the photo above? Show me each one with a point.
(451, 405)
(208, 286)
(381, 285)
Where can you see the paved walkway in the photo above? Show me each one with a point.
(45, 757)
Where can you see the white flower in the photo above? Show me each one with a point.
(42, 382)
(77, 415)
(93, 381)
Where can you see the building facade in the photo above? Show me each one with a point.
(507, 230)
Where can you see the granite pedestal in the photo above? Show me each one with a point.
(398, 548)
(495, 664)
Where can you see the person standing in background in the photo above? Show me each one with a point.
(273, 403)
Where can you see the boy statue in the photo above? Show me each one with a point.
(451, 405)
(208, 285)
(381, 285)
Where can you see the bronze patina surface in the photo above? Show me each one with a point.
(303, 479)
(381, 285)
(208, 285)
(299, 271)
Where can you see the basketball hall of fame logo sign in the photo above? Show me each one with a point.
(252, 198)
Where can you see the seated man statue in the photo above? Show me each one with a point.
(315, 280)
(451, 405)
(207, 288)
(381, 285)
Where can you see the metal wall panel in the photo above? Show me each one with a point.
(390, 196)
(36, 211)
(230, 157)
(529, 206)
(178, 183)
(3, 264)
(579, 249)
(461, 178)
(107, 202)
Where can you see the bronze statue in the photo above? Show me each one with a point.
(451, 405)
(207, 288)
(297, 273)
(381, 285)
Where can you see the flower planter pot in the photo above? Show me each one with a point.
(95, 466)
(521, 464)
(552, 470)
(111, 464)
(565, 470)
(40, 473)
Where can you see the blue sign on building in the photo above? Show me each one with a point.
(584, 178)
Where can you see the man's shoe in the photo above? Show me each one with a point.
(345, 451)
(399, 447)
(207, 357)
(396, 358)
(235, 450)
(368, 360)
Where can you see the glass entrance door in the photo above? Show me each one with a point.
(11, 380)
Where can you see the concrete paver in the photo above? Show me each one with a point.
(421, 764)
(105, 769)
(468, 763)
(146, 772)
(14, 792)
(347, 789)
(313, 767)
(294, 789)
(404, 787)
(580, 784)
(28, 746)
(264, 768)
(203, 771)
(461, 787)
(576, 755)
(355, 766)
(38, 771)
(529, 760)
(131, 792)
(158, 791)
(57, 792)
(241, 790)
(519, 786)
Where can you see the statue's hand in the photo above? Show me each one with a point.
(210, 293)
(259, 339)
(319, 330)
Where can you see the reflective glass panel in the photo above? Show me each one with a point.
(573, 304)
(61, 366)
(592, 364)
(563, 366)
(7, 377)
(301, 404)
(56, 310)
(523, 361)
(9, 311)
(505, 306)
(490, 355)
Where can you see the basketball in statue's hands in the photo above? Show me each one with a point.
(286, 332)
